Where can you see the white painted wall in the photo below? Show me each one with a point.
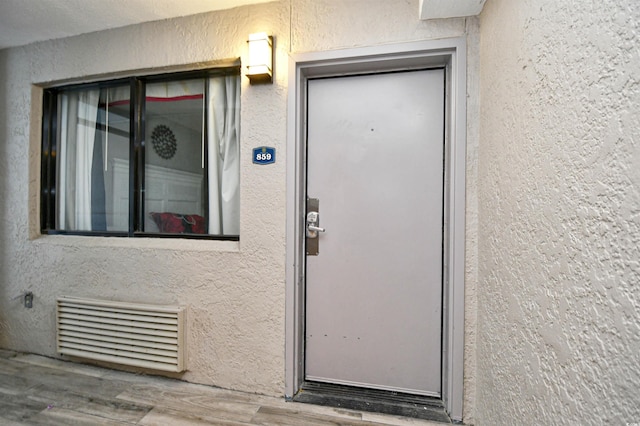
(559, 213)
(234, 291)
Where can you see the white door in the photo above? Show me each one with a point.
(373, 312)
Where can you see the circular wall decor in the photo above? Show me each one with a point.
(164, 141)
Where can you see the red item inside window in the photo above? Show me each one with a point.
(173, 223)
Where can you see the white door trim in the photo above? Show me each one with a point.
(450, 53)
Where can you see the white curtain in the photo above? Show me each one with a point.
(174, 90)
(78, 112)
(224, 155)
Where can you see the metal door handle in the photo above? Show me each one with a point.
(313, 220)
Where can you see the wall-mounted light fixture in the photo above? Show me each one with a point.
(260, 68)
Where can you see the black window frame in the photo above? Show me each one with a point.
(137, 146)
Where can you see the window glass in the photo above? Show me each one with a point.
(175, 167)
(93, 143)
(173, 170)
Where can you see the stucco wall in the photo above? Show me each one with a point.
(234, 291)
(559, 213)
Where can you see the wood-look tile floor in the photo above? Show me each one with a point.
(36, 390)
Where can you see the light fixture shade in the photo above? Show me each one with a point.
(260, 68)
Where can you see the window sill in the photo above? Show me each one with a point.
(174, 244)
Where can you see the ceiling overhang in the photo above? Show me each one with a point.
(436, 9)
(23, 22)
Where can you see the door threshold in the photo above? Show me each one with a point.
(373, 400)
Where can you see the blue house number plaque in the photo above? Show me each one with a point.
(264, 155)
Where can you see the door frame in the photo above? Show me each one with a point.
(450, 53)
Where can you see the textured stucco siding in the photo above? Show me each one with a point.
(235, 292)
(559, 213)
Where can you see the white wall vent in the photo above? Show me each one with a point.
(146, 336)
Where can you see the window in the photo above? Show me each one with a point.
(143, 156)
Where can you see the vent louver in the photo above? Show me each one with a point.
(145, 336)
